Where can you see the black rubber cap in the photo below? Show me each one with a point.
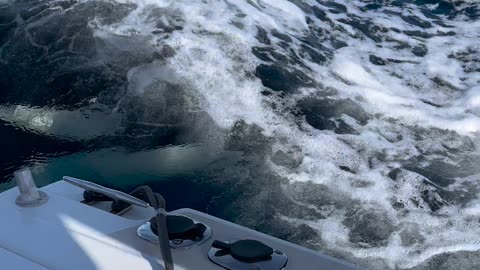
(180, 227)
(246, 250)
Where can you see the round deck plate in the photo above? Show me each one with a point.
(145, 232)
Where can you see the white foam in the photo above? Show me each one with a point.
(141, 77)
(472, 101)
(213, 58)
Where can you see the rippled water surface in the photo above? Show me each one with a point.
(349, 127)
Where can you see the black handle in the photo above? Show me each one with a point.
(198, 230)
(221, 245)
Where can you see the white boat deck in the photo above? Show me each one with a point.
(65, 234)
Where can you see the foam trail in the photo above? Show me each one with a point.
(402, 94)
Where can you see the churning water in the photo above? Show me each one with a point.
(350, 127)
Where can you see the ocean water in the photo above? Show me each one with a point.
(349, 127)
